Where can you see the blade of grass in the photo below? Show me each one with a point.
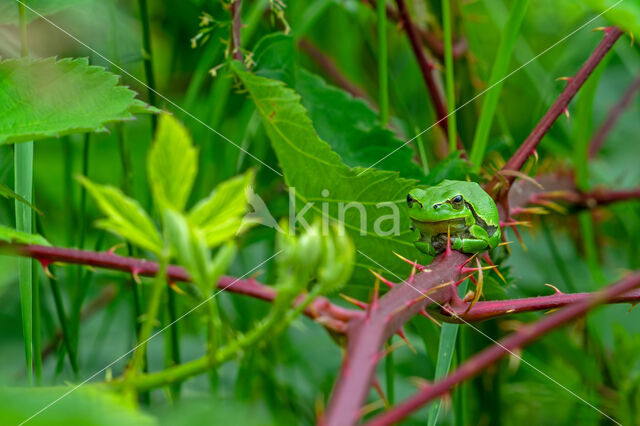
(64, 324)
(147, 57)
(503, 56)
(23, 169)
(389, 370)
(383, 75)
(461, 405)
(449, 74)
(37, 332)
(448, 335)
(82, 286)
(583, 129)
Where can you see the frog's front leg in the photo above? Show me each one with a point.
(478, 241)
(470, 245)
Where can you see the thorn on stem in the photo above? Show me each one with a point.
(403, 336)
(447, 251)
(381, 278)
(135, 276)
(45, 267)
(424, 313)
(356, 302)
(415, 264)
(173, 286)
(113, 249)
(557, 291)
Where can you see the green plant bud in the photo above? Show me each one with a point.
(309, 248)
(337, 264)
(288, 246)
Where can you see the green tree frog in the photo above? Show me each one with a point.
(461, 208)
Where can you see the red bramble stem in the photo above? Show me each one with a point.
(611, 35)
(525, 335)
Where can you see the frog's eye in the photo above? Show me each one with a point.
(410, 200)
(457, 202)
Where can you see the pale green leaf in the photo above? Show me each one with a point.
(322, 180)
(14, 236)
(172, 164)
(42, 98)
(87, 406)
(125, 216)
(220, 215)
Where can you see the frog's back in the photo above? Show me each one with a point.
(474, 195)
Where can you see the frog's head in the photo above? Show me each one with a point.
(438, 204)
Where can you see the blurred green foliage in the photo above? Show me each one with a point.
(285, 378)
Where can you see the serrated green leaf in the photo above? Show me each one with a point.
(125, 216)
(42, 98)
(346, 123)
(172, 164)
(85, 406)
(321, 179)
(219, 216)
(14, 236)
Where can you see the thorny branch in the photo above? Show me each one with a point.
(330, 67)
(614, 115)
(611, 35)
(426, 68)
(236, 27)
(435, 44)
(524, 336)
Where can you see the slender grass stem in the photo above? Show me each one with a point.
(383, 74)
(37, 332)
(503, 56)
(389, 370)
(64, 325)
(147, 57)
(449, 74)
(82, 286)
(23, 168)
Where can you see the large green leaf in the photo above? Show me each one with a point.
(125, 216)
(84, 406)
(346, 123)
(42, 98)
(220, 216)
(172, 164)
(321, 179)
(14, 236)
